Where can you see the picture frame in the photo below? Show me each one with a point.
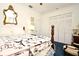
(10, 16)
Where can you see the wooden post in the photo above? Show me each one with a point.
(52, 36)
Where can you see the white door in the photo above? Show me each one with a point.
(53, 21)
(61, 34)
(56, 32)
(63, 28)
(68, 31)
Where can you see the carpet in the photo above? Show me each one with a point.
(58, 51)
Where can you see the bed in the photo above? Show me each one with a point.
(24, 45)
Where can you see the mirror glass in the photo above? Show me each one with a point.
(10, 16)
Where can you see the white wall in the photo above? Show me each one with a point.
(45, 26)
(24, 16)
(75, 16)
(42, 24)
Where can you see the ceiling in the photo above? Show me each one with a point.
(46, 7)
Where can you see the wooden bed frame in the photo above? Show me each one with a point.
(52, 36)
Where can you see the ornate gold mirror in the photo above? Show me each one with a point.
(10, 16)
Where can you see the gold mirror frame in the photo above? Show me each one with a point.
(10, 16)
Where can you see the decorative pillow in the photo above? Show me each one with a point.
(72, 51)
(72, 47)
(76, 44)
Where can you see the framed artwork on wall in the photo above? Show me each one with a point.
(32, 21)
(32, 25)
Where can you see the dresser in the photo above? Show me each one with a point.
(76, 39)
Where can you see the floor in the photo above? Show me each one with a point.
(58, 51)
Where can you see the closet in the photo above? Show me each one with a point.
(63, 27)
